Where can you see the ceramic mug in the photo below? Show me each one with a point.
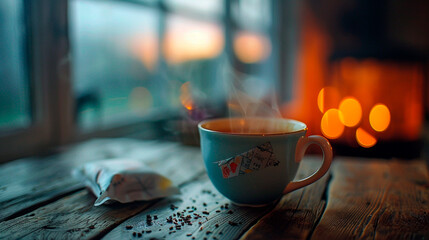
(252, 161)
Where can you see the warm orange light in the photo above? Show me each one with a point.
(379, 117)
(328, 97)
(351, 111)
(331, 125)
(365, 139)
(140, 100)
(186, 96)
(145, 47)
(348, 67)
(320, 100)
(187, 40)
(251, 47)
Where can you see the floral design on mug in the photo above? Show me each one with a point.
(257, 158)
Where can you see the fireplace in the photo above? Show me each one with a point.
(359, 81)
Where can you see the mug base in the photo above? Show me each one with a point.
(254, 205)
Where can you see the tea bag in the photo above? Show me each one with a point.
(124, 180)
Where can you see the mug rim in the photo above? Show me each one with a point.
(200, 126)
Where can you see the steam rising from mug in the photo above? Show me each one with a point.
(249, 97)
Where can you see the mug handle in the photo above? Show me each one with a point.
(301, 147)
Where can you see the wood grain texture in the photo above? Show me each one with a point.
(211, 216)
(74, 216)
(377, 200)
(297, 213)
(29, 183)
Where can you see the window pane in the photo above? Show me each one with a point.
(252, 45)
(14, 84)
(251, 36)
(193, 51)
(115, 61)
(205, 7)
(252, 14)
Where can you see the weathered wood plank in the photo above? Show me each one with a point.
(378, 200)
(209, 215)
(75, 217)
(29, 183)
(297, 213)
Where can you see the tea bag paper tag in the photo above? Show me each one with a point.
(257, 158)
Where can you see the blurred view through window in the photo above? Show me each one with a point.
(15, 107)
(131, 59)
(75, 69)
(115, 60)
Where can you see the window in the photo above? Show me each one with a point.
(82, 68)
(24, 111)
(15, 110)
(131, 59)
(115, 52)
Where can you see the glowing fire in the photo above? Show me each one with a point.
(251, 47)
(186, 96)
(390, 95)
(349, 114)
(367, 100)
(187, 40)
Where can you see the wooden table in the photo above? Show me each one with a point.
(360, 198)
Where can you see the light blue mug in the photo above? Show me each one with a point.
(252, 161)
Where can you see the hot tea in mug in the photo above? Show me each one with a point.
(252, 161)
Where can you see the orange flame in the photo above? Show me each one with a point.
(369, 81)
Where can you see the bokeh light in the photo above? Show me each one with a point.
(379, 117)
(328, 97)
(320, 100)
(187, 40)
(351, 111)
(140, 100)
(331, 125)
(251, 47)
(365, 139)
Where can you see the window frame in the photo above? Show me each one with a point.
(36, 137)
